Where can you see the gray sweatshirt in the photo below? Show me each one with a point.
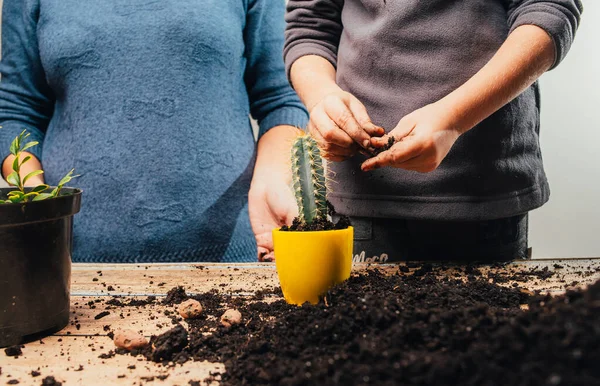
(399, 55)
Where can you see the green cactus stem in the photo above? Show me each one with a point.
(308, 178)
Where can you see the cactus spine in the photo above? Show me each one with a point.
(309, 179)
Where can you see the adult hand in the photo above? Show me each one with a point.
(270, 206)
(423, 139)
(341, 126)
(32, 164)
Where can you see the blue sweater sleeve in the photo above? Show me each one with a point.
(273, 102)
(26, 101)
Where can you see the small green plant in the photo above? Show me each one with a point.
(308, 179)
(40, 192)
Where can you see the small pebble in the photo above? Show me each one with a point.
(129, 340)
(190, 309)
(231, 317)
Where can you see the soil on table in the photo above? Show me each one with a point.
(13, 351)
(50, 381)
(409, 328)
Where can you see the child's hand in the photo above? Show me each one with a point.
(341, 126)
(423, 139)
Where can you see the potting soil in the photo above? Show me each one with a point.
(402, 329)
(317, 225)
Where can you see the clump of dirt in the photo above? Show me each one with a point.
(102, 315)
(175, 295)
(319, 224)
(164, 346)
(543, 273)
(108, 355)
(115, 301)
(265, 293)
(50, 381)
(391, 141)
(13, 351)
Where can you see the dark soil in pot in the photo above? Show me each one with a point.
(319, 224)
(402, 329)
(35, 261)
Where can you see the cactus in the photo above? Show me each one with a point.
(309, 180)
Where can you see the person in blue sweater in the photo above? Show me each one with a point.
(150, 101)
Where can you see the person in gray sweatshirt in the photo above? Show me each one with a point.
(452, 86)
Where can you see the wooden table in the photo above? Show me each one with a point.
(81, 343)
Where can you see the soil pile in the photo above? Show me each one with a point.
(378, 329)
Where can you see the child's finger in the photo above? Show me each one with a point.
(400, 152)
(325, 131)
(380, 141)
(362, 117)
(404, 128)
(341, 114)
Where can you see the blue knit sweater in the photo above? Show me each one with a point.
(149, 100)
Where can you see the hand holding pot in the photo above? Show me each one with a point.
(423, 138)
(341, 126)
(270, 206)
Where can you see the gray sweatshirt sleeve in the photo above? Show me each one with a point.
(313, 27)
(559, 18)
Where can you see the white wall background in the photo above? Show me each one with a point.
(569, 225)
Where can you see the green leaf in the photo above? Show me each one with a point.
(16, 165)
(14, 147)
(66, 179)
(25, 160)
(14, 179)
(29, 145)
(15, 193)
(40, 188)
(3, 202)
(42, 196)
(32, 174)
(15, 199)
(29, 195)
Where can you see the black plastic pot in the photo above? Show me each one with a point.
(35, 266)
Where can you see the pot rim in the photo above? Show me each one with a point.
(65, 205)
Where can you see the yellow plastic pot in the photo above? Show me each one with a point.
(310, 263)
